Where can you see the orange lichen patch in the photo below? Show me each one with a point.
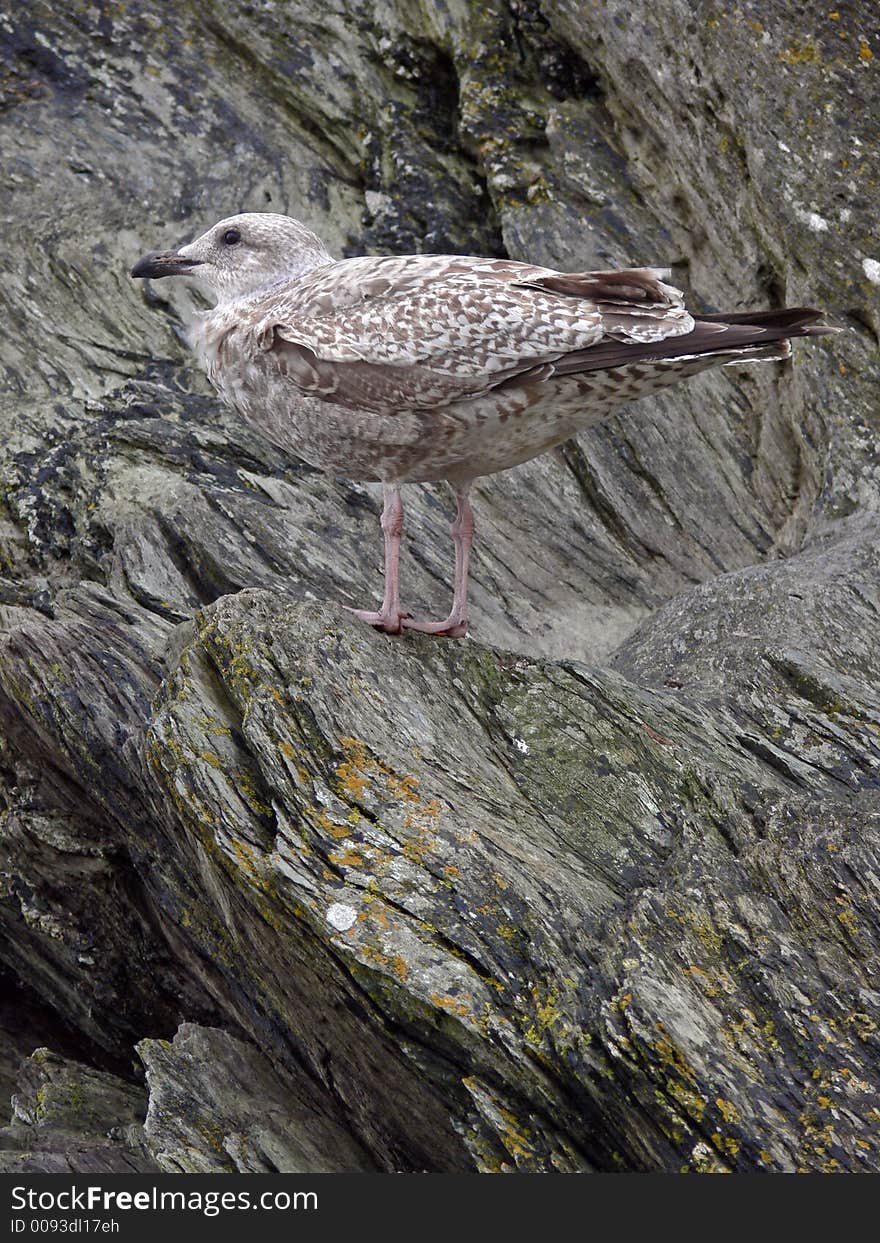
(373, 955)
(353, 782)
(451, 871)
(712, 983)
(287, 749)
(403, 787)
(416, 849)
(704, 980)
(670, 1055)
(451, 1005)
(346, 858)
(374, 911)
(423, 817)
(514, 1138)
(360, 770)
(865, 52)
(276, 695)
(352, 772)
(323, 822)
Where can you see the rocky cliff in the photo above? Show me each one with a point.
(595, 889)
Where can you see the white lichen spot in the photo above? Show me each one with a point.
(521, 745)
(377, 203)
(812, 220)
(871, 268)
(341, 917)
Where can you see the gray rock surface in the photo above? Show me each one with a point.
(595, 889)
(70, 1118)
(217, 1106)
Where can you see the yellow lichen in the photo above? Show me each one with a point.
(800, 54)
(728, 1110)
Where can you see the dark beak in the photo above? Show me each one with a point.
(164, 263)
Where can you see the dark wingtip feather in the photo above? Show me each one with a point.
(791, 319)
(751, 334)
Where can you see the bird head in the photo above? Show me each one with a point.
(241, 255)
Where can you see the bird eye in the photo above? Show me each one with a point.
(231, 236)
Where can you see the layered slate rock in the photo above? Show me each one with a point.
(594, 889)
(217, 1106)
(68, 1118)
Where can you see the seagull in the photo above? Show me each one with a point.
(416, 368)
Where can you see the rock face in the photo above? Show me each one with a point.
(70, 1118)
(217, 1106)
(595, 889)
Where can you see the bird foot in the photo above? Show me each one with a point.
(451, 628)
(389, 622)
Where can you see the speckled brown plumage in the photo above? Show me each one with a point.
(427, 367)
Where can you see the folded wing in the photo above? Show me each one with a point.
(419, 332)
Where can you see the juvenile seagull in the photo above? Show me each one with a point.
(432, 367)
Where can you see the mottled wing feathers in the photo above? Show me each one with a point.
(378, 386)
(645, 285)
(425, 331)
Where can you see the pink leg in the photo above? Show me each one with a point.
(389, 615)
(456, 624)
